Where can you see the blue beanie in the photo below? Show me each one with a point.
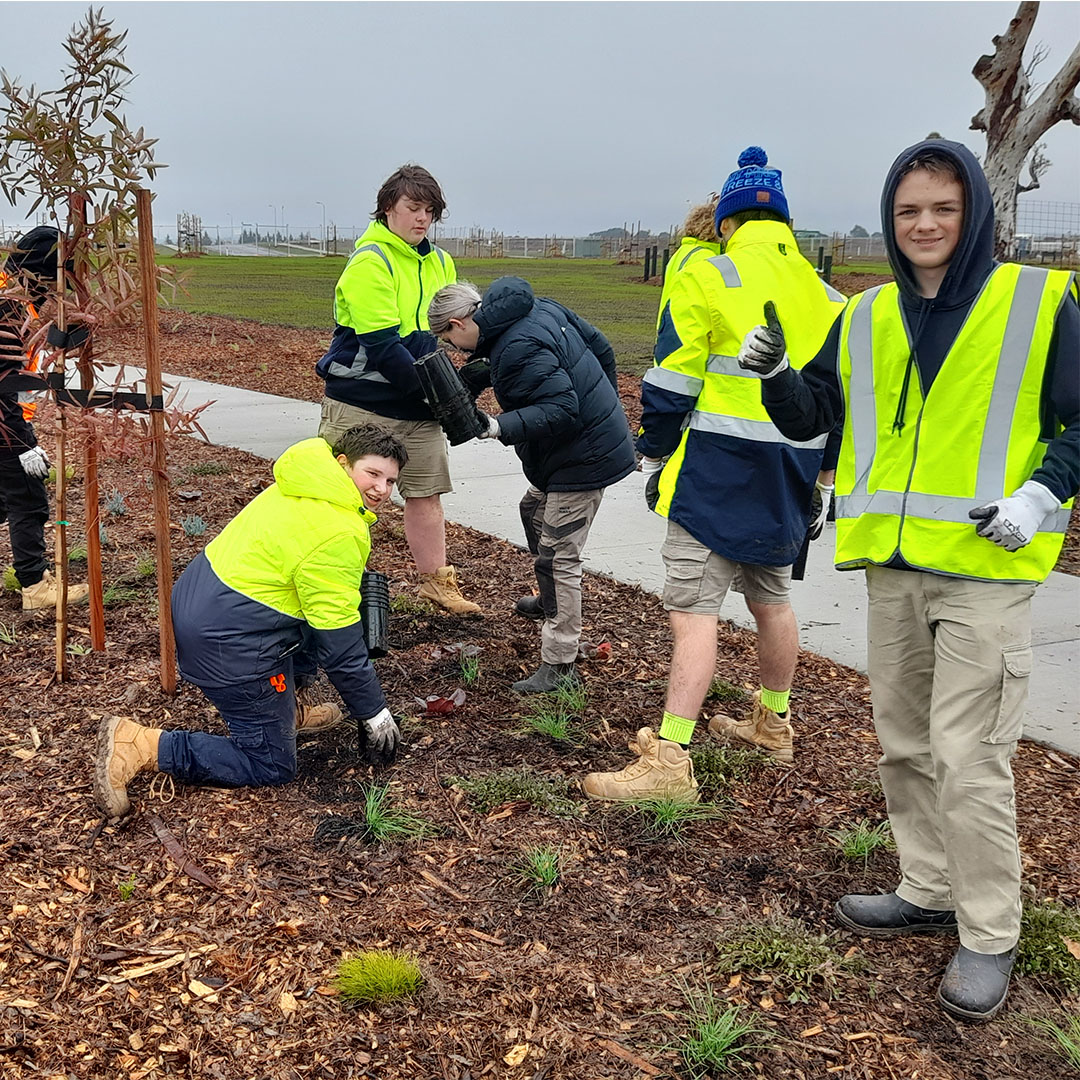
(752, 187)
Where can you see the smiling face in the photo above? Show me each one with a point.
(928, 218)
(463, 334)
(374, 477)
(410, 219)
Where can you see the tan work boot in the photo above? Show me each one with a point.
(315, 719)
(43, 594)
(764, 729)
(442, 588)
(663, 770)
(124, 749)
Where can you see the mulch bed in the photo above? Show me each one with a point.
(115, 962)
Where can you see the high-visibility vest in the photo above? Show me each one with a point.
(33, 362)
(690, 249)
(973, 439)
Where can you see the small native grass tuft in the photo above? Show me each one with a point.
(1063, 1039)
(557, 716)
(470, 670)
(862, 840)
(785, 949)
(720, 1037)
(539, 867)
(669, 818)
(726, 693)
(492, 790)
(377, 975)
(8, 634)
(1046, 928)
(380, 822)
(717, 765)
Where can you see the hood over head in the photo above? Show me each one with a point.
(507, 300)
(309, 470)
(973, 259)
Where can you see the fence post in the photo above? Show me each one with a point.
(820, 259)
(827, 270)
(667, 259)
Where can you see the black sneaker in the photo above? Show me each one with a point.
(530, 607)
(889, 916)
(975, 984)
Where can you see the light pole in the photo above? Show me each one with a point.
(232, 238)
(285, 230)
(319, 202)
(273, 209)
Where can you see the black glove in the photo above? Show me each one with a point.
(476, 375)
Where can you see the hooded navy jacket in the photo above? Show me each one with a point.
(554, 378)
(807, 403)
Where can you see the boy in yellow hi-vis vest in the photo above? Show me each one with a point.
(959, 388)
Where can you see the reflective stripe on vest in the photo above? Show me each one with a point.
(728, 271)
(753, 430)
(980, 433)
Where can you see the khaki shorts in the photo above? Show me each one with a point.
(428, 470)
(698, 579)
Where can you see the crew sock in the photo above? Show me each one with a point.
(776, 700)
(677, 729)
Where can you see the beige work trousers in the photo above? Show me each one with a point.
(949, 661)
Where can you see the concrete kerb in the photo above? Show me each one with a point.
(625, 540)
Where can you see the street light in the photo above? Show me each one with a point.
(274, 210)
(232, 237)
(319, 202)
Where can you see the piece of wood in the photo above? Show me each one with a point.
(60, 542)
(183, 862)
(433, 879)
(148, 284)
(628, 1055)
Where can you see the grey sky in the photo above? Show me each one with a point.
(542, 117)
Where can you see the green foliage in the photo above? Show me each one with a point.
(119, 594)
(11, 582)
(145, 566)
(557, 716)
(669, 818)
(377, 975)
(69, 474)
(726, 693)
(1064, 1040)
(126, 889)
(404, 604)
(116, 504)
(719, 1039)
(78, 554)
(193, 525)
(539, 867)
(863, 839)
(209, 468)
(486, 793)
(103, 536)
(79, 650)
(470, 670)
(387, 823)
(1043, 951)
(783, 948)
(719, 765)
(8, 635)
(866, 785)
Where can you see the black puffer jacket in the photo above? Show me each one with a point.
(554, 378)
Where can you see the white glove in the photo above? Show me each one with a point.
(763, 352)
(822, 500)
(34, 462)
(1011, 523)
(651, 468)
(492, 426)
(383, 736)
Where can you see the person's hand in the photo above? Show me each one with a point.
(763, 352)
(1011, 523)
(34, 463)
(382, 737)
(492, 431)
(819, 508)
(651, 468)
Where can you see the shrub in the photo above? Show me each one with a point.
(485, 793)
(1044, 928)
(377, 976)
(116, 504)
(208, 468)
(726, 693)
(11, 582)
(193, 525)
(718, 766)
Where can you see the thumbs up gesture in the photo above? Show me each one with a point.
(763, 351)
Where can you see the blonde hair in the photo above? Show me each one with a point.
(700, 223)
(457, 301)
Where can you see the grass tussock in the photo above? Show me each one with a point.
(720, 1037)
(377, 975)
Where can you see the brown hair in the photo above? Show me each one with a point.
(412, 182)
(933, 161)
(364, 439)
(700, 223)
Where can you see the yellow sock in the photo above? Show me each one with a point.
(777, 700)
(677, 729)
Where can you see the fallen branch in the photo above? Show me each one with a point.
(76, 954)
(628, 1055)
(157, 965)
(183, 862)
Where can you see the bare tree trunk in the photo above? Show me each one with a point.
(1012, 125)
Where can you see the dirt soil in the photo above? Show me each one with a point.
(116, 960)
(281, 360)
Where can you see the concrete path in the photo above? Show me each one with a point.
(625, 540)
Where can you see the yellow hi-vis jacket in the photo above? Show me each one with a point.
(689, 250)
(33, 362)
(975, 440)
(733, 481)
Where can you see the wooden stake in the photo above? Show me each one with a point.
(148, 283)
(60, 537)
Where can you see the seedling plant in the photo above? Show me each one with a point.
(1044, 930)
(669, 818)
(863, 839)
(720, 1038)
(540, 867)
(376, 976)
(488, 792)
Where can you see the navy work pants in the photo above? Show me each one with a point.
(24, 504)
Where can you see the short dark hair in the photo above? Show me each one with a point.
(741, 217)
(413, 182)
(933, 161)
(364, 439)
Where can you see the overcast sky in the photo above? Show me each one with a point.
(541, 117)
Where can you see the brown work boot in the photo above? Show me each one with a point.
(124, 749)
(442, 588)
(43, 594)
(764, 729)
(316, 718)
(663, 770)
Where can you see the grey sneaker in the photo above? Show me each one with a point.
(975, 984)
(889, 916)
(547, 679)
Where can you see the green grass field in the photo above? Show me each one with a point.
(299, 292)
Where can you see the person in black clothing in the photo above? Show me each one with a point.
(554, 379)
(28, 273)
